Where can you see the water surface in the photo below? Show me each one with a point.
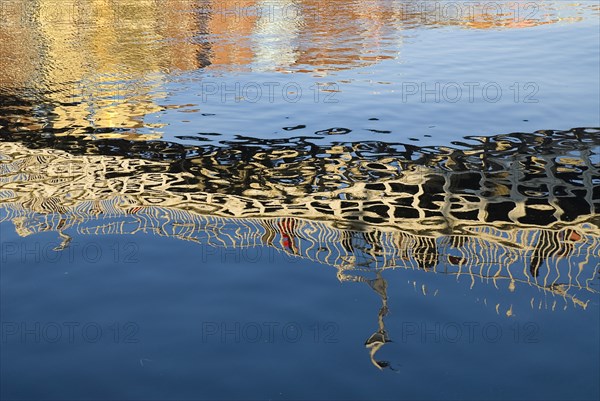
(299, 200)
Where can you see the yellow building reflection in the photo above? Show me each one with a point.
(103, 66)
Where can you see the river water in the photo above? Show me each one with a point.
(298, 199)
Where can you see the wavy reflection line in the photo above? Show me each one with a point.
(228, 201)
(115, 187)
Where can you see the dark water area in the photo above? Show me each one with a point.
(299, 200)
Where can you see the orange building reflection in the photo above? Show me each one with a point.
(104, 63)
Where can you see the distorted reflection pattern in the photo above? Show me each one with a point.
(519, 199)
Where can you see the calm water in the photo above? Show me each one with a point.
(297, 199)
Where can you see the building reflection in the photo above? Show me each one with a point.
(105, 64)
(385, 203)
(513, 211)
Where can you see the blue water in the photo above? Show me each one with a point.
(371, 229)
(445, 83)
(172, 302)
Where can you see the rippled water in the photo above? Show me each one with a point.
(299, 199)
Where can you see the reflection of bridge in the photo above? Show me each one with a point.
(507, 210)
